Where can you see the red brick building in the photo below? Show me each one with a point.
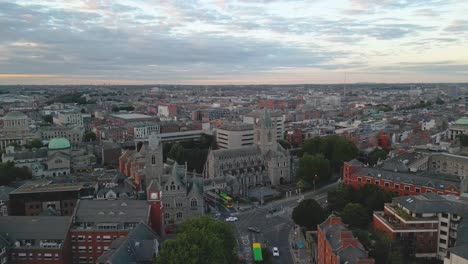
(99, 222)
(336, 244)
(36, 239)
(427, 225)
(294, 136)
(402, 183)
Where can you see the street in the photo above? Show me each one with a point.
(275, 228)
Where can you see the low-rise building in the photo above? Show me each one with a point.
(428, 224)
(73, 133)
(71, 117)
(35, 239)
(140, 246)
(336, 244)
(97, 223)
(458, 128)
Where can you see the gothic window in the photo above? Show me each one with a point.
(167, 188)
(153, 159)
(172, 186)
(167, 205)
(178, 187)
(193, 202)
(269, 136)
(179, 215)
(58, 161)
(178, 204)
(167, 216)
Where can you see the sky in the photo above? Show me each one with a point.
(233, 42)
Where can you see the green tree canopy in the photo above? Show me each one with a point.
(35, 143)
(10, 173)
(199, 241)
(308, 213)
(89, 136)
(375, 155)
(311, 166)
(355, 215)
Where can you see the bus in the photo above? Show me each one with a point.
(257, 252)
(226, 200)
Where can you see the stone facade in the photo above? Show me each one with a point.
(264, 163)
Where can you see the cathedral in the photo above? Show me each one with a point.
(175, 194)
(265, 163)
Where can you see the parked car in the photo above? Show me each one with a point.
(275, 252)
(254, 229)
(231, 219)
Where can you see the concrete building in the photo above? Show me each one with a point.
(457, 255)
(66, 118)
(169, 110)
(97, 223)
(16, 122)
(427, 224)
(74, 134)
(276, 117)
(35, 239)
(142, 130)
(234, 135)
(336, 244)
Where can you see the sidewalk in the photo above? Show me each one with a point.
(299, 255)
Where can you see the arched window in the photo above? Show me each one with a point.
(172, 186)
(167, 188)
(167, 216)
(179, 215)
(153, 159)
(193, 202)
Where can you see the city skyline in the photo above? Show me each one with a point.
(233, 42)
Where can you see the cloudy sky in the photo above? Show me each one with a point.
(233, 42)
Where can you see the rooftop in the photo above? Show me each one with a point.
(462, 121)
(35, 227)
(59, 143)
(131, 116)
(236, 127)
(48, 186)
(105, 211)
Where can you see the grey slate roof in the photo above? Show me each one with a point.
(115, 211)
(137, 247)
(351, 255)
(37, 154)
(438, 181)
(236, 152)
(35, 227)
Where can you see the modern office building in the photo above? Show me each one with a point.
(235, 135)
(428, 225)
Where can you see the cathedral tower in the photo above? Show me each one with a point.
(154, 165)
(265, 133)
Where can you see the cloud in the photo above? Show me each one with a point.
(458, 26)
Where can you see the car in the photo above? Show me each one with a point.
(273, 210)
(231, 219)
(275, 252)
(254, 229)
(300, 199)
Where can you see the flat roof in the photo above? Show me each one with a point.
(131, 116)
(115, 211)
(35, 227)
(48, 186)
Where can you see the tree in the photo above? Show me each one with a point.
(308, 213)
(355, 215)
(89, 136)
(314, 169)
(48, 119)
(10, 173)
(202, 240)
(439, 101)
(35, 143)
(339, 197)
(375, 155)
